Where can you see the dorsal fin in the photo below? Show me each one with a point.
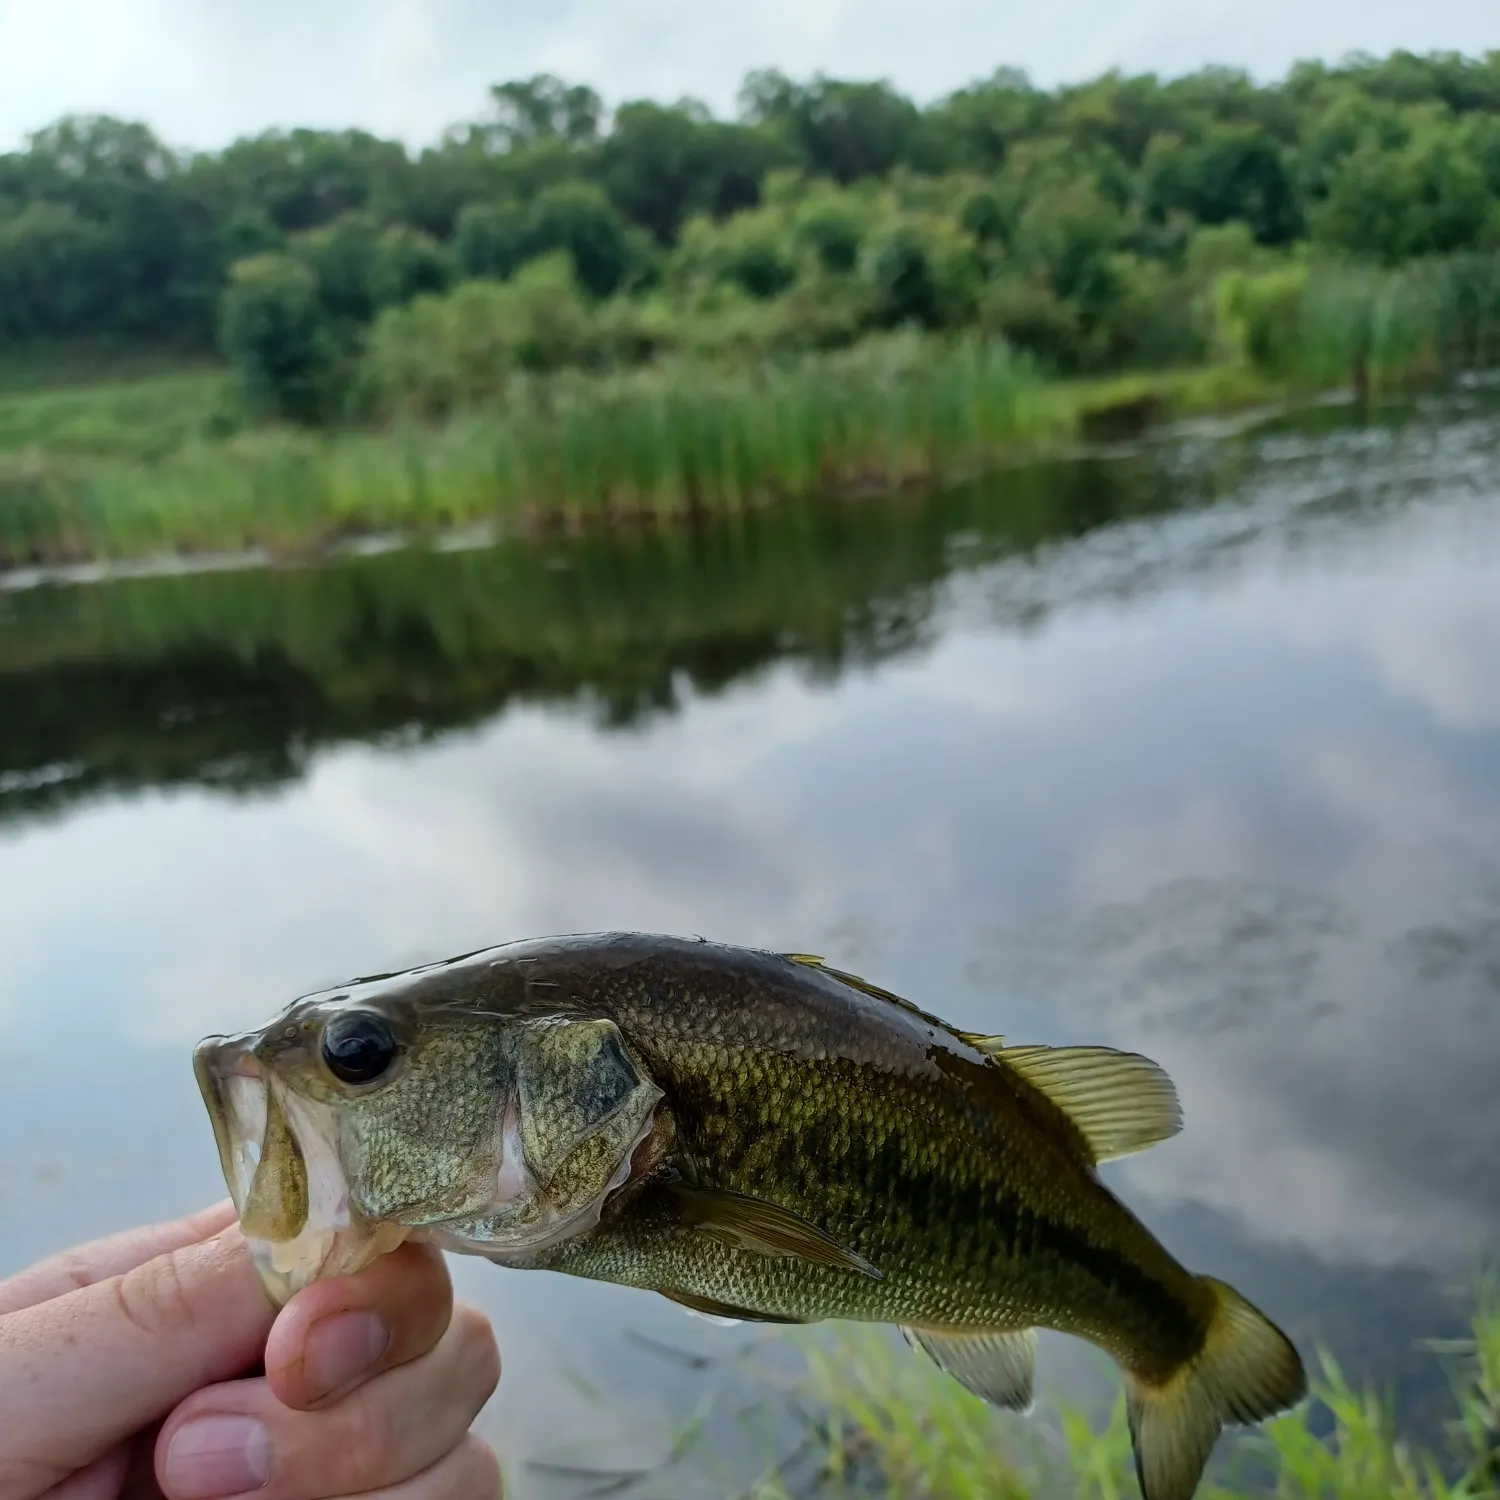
(812, 961)
(997, 1364)
(1120, 1102)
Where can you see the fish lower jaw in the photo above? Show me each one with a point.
(285, 1267)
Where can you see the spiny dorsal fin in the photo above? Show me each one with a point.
(763, 1228)
(1120, 1102)
(989, 1045)
(812, 961)
(722, 1312)
(998, 1365)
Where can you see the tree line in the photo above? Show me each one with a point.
(1069, 220)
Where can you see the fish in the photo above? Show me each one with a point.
(756, 1136)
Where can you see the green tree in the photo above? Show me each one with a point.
(578, 218)
(831, 226)
(305, 178)
(274, 331)
(408, 264)
(843, 130)
(923, 271)
(542, 108)
(55, 277)
(661, 164)
(1233, 172)
(345, 258)
(1428, 197)
(490, 239)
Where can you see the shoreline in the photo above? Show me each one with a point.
(1061, 420)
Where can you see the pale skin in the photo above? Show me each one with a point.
(150, 1366)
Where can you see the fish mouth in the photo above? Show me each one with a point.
(236, 1093)
(278, 1151)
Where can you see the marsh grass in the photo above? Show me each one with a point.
(1371, 328)
(564, 451)
(889, 1425)
(171, 464)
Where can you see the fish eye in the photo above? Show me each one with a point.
(358, 1047)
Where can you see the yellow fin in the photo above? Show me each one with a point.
(989, 1045)
(712, 1309)
(1120, 1101)
(998, 1365)
(763, 1228)
(1246, 1371)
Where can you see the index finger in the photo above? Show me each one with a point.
(82, 1372)
(85, 1265)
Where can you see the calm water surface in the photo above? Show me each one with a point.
(1193, 750)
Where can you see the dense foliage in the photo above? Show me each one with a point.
(1090, 225)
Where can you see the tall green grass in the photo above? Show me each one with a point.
(564, 450)
(1375, 329)
(171, 465)
(889, 1424)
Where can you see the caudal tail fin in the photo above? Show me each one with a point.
(1246, 1371)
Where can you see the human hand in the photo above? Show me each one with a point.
(123, 1376)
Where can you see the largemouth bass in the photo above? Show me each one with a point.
(753, 1135)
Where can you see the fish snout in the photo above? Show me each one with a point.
(235, 1092)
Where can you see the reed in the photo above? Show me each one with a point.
(563, 451)
(1372, 328)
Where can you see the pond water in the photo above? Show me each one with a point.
(1191, 748)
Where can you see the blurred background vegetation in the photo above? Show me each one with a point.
(666, 310)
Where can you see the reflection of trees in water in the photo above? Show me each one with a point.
(233, 679)
(1297, 487)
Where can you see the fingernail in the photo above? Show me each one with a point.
(340, 1349)
(216, 1456)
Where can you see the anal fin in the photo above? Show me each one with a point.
(723, 1311)
(997, 1364)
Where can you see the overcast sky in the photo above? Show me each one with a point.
(204, 71)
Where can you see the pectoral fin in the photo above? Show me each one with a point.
(1120, 1102)
(724, 1310)
(763, 1228)
(998, 1365)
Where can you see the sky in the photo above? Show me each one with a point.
(202, 74)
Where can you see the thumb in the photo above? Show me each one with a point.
(84, 1371)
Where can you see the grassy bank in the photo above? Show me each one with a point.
(136, 469)
(460, 425)
(888, 1424)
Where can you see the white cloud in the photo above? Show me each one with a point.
(204, 73)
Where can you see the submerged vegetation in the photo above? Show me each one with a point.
(887, 1424)
(561, 313)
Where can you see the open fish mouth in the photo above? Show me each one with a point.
(279, 1155)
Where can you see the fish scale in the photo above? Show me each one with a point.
(759, 1136)
(902, 1148)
